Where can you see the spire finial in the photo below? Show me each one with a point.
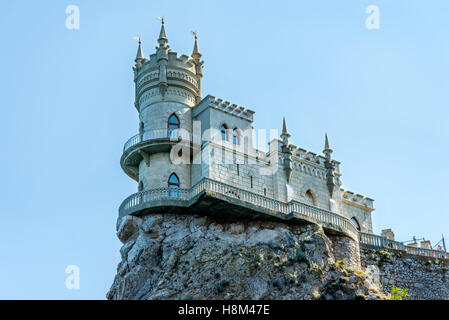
(285, 135)
(139, 55)
(284, 129)
(196, 54)
(162, 40)
(327, 150)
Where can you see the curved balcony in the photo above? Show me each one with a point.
(150, 142)
(207, 193)
(253, 204)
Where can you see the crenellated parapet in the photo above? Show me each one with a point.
(167, 77)
(357, 200)
(224, 106)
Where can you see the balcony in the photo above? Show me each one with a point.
(378, 242)
(150, 142)
(223, 200)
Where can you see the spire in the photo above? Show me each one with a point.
(327, 150)
(330, 167)
(284, 130)
(162, 40)
(139, 56)
(196, 54)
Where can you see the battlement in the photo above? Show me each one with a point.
(181, 68)
(357, 200)
(225, 106)
(309, 157)
(182, 62)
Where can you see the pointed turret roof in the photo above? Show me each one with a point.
(327, 150)
(284, 129)
(196, 54)
(162, 40)
(139, 55)
(326, 142)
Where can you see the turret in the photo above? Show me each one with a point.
(330, 167)
(139, 55)
(286, 152)
(167, 87)
(196, 57)
(162, 60)
(167, 77)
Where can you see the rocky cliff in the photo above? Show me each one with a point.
(167, 256)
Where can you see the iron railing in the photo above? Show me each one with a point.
(379, 242)
(155, 134)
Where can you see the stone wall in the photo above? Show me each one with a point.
(425, 278)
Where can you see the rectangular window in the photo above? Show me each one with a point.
(251, 178)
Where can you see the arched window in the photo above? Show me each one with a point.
(223, 132)
(235, 136)
(356, 222)
(309, 198)
(173, 185)
(172, 124)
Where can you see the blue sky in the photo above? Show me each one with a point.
(67, 109)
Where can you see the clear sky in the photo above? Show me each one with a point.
(67, 108)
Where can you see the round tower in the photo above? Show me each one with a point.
(166, 89)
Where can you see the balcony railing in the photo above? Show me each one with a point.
(300, 210)
(156, 134)
(376, 241)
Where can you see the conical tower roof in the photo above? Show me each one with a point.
(139, 55)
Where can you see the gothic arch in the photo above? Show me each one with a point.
(355, 221)
(173, 123)
(306, 192)
(236, 136)
(224, 128)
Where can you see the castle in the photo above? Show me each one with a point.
(197, 155)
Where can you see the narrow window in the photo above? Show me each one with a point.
(251, 179)
(264, 191)
(356, 222)
(238, 169)
(223, 129)
(140, 186)
(173, 185)
(235, 136)
(172, 124)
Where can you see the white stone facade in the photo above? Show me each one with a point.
(167, 85)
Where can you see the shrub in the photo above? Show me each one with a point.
(313, 267)
(398, 293)
(445, 269)
(341, 263)
(307, 239)
(301, 257)
(316, 295)
(384, 254)
(350, 269)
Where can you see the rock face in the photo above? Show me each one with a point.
(167, 256)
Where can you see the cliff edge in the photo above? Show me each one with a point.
(173, 256)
